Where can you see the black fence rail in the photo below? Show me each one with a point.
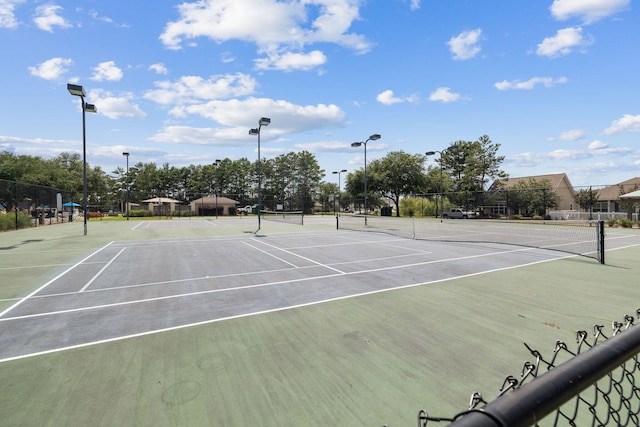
(27, 205)
(598, 384)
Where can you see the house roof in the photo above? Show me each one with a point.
(557, 180)
(613, 191)
(160, 200)
(632, 195)
(212, 200)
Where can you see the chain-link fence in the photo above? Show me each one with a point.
(597, 384)
(27, 205)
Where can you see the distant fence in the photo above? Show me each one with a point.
(28, 205)
(595, 216)
(598, 385)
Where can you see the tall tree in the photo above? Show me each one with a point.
(471, 165)
(532, 197)
(586, 198)
(397, 174)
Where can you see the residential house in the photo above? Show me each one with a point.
(560, 184)
(209, 205)
(609, 197)
(160, 205)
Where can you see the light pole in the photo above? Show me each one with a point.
(127, 186)
(264, 121)
(339, 192)
(216, 164)
(373, 137)
(77, 90)
(431, 153)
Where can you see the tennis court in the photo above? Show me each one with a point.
(132, 283)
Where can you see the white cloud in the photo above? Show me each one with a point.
(116, 107)
(237, 116)
(285, 116)
(465, 45)
(51, 69)
(570, 135)
(189, 89)
(444, 95)
(627, 123)
(590, 11)
(595, 149)
(415, 4)
(289, 61)
(530, 84)
(159, 68)
(597, 145)
(107, 71)
(387, 98)
(7, 16)
(47, 18)
(599, 148)
(325, 147)
(563, 43)
(286, 27)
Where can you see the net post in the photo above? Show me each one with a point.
(601, 241)
(337, 223)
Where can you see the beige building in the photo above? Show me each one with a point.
(207, 206)
(560, 184)
(609, 197)
(160, 205)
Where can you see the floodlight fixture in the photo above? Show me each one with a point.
(75, 90)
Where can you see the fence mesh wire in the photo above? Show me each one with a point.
(28, 205)
(611, 399)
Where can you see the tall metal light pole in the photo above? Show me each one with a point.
(216, 164)
(373, 137)
(127, 186)
(77, 90)
(339, 191)
(431, 153)
(264, 121)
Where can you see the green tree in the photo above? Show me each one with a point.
(471, 165)
(586, 198)
(328, 196)
(397, 174)
(532, 197)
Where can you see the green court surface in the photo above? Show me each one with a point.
(370, 360)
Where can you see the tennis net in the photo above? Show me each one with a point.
(291, 217)
(584, 238)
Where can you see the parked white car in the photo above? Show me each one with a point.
(458, 213)
(245, 210)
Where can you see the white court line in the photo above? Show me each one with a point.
(300, 256)
(271, 255)
(225, 276)
(275, 310)
(101, 270)
(279, 282)
(139, 225)
(51, 281)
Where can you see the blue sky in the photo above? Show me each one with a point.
(555, 82)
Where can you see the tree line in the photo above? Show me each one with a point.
(294, 181)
